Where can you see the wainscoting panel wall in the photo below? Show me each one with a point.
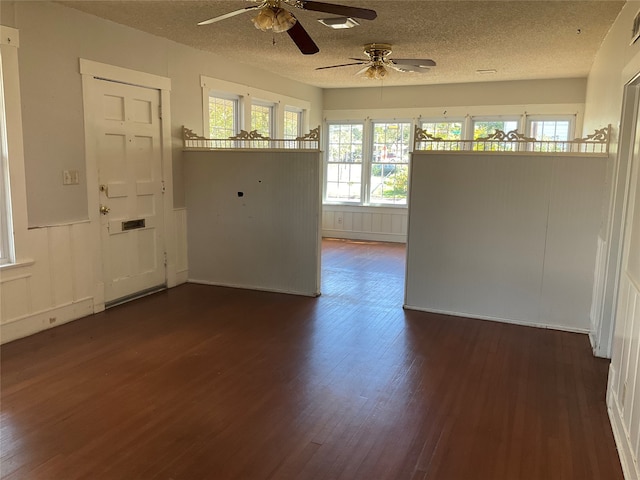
(383, 224)
(54, 287)
(254, 219)
(504, 236)
(59, 282)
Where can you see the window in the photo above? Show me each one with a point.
(6, 251)
(444, 130)
(486, 128)
(262, 118)
(344, 163)
(390, 163)
(292, 124)
(550, 130)
(368, 162)
(223, 116)
(483, 128)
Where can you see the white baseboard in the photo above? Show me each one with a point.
(369, 236)
(45, 319)
(251, 287)
(630, 468)
(498, 319)
(182, 277)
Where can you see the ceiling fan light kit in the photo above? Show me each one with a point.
(273, 17)
(277, 19)
(378, 62)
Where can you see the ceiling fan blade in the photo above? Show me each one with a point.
(343, 65)
(302, 39)
(360, 59)
(416, 62)
(229, 15)
(342, 10)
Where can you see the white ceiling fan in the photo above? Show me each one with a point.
(378, 61)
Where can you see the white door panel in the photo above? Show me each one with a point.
(130, 178)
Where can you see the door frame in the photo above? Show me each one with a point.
(602, 338)
(90, 71)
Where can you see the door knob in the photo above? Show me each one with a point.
(104, 209)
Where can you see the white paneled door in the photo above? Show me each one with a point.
(128, 134)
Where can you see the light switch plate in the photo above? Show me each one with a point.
(70, 177)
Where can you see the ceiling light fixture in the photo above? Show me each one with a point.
(271, 18)
(489, 71)
(375, 72)
(339, 23)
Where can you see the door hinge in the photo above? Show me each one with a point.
(164, 189)
(160, 112)
(165, 259)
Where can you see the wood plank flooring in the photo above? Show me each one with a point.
(202, 382)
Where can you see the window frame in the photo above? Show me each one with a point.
(327, 163)
(299, 114)
(246, 97)
(367, 161)
(272, 109)
(7, 251)
(237, 103)
(370, 163)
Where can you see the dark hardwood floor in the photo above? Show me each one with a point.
(202, 382)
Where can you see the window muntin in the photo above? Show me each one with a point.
(344, 162)
(223, 116)
(292, 124)
(262, 118)
(390, 163)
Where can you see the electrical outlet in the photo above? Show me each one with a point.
(339, 219)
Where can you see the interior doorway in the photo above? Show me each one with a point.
(365, 271)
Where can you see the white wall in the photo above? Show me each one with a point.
(504, 236)
(254, 219)
(616, 64)
(53, 279)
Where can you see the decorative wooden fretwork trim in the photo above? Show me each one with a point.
(252, 135)
(250, 140)
(313, 135)
(514, 142)
(511, 136)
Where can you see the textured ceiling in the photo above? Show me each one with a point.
(519, 39)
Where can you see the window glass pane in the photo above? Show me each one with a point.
(390, 163)
(550, 131)
(261, 116)
(444, 130)
(292, 124)
(223, 113)
(486, 128)
(344, 169)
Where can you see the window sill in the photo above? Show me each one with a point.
(20, 264)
